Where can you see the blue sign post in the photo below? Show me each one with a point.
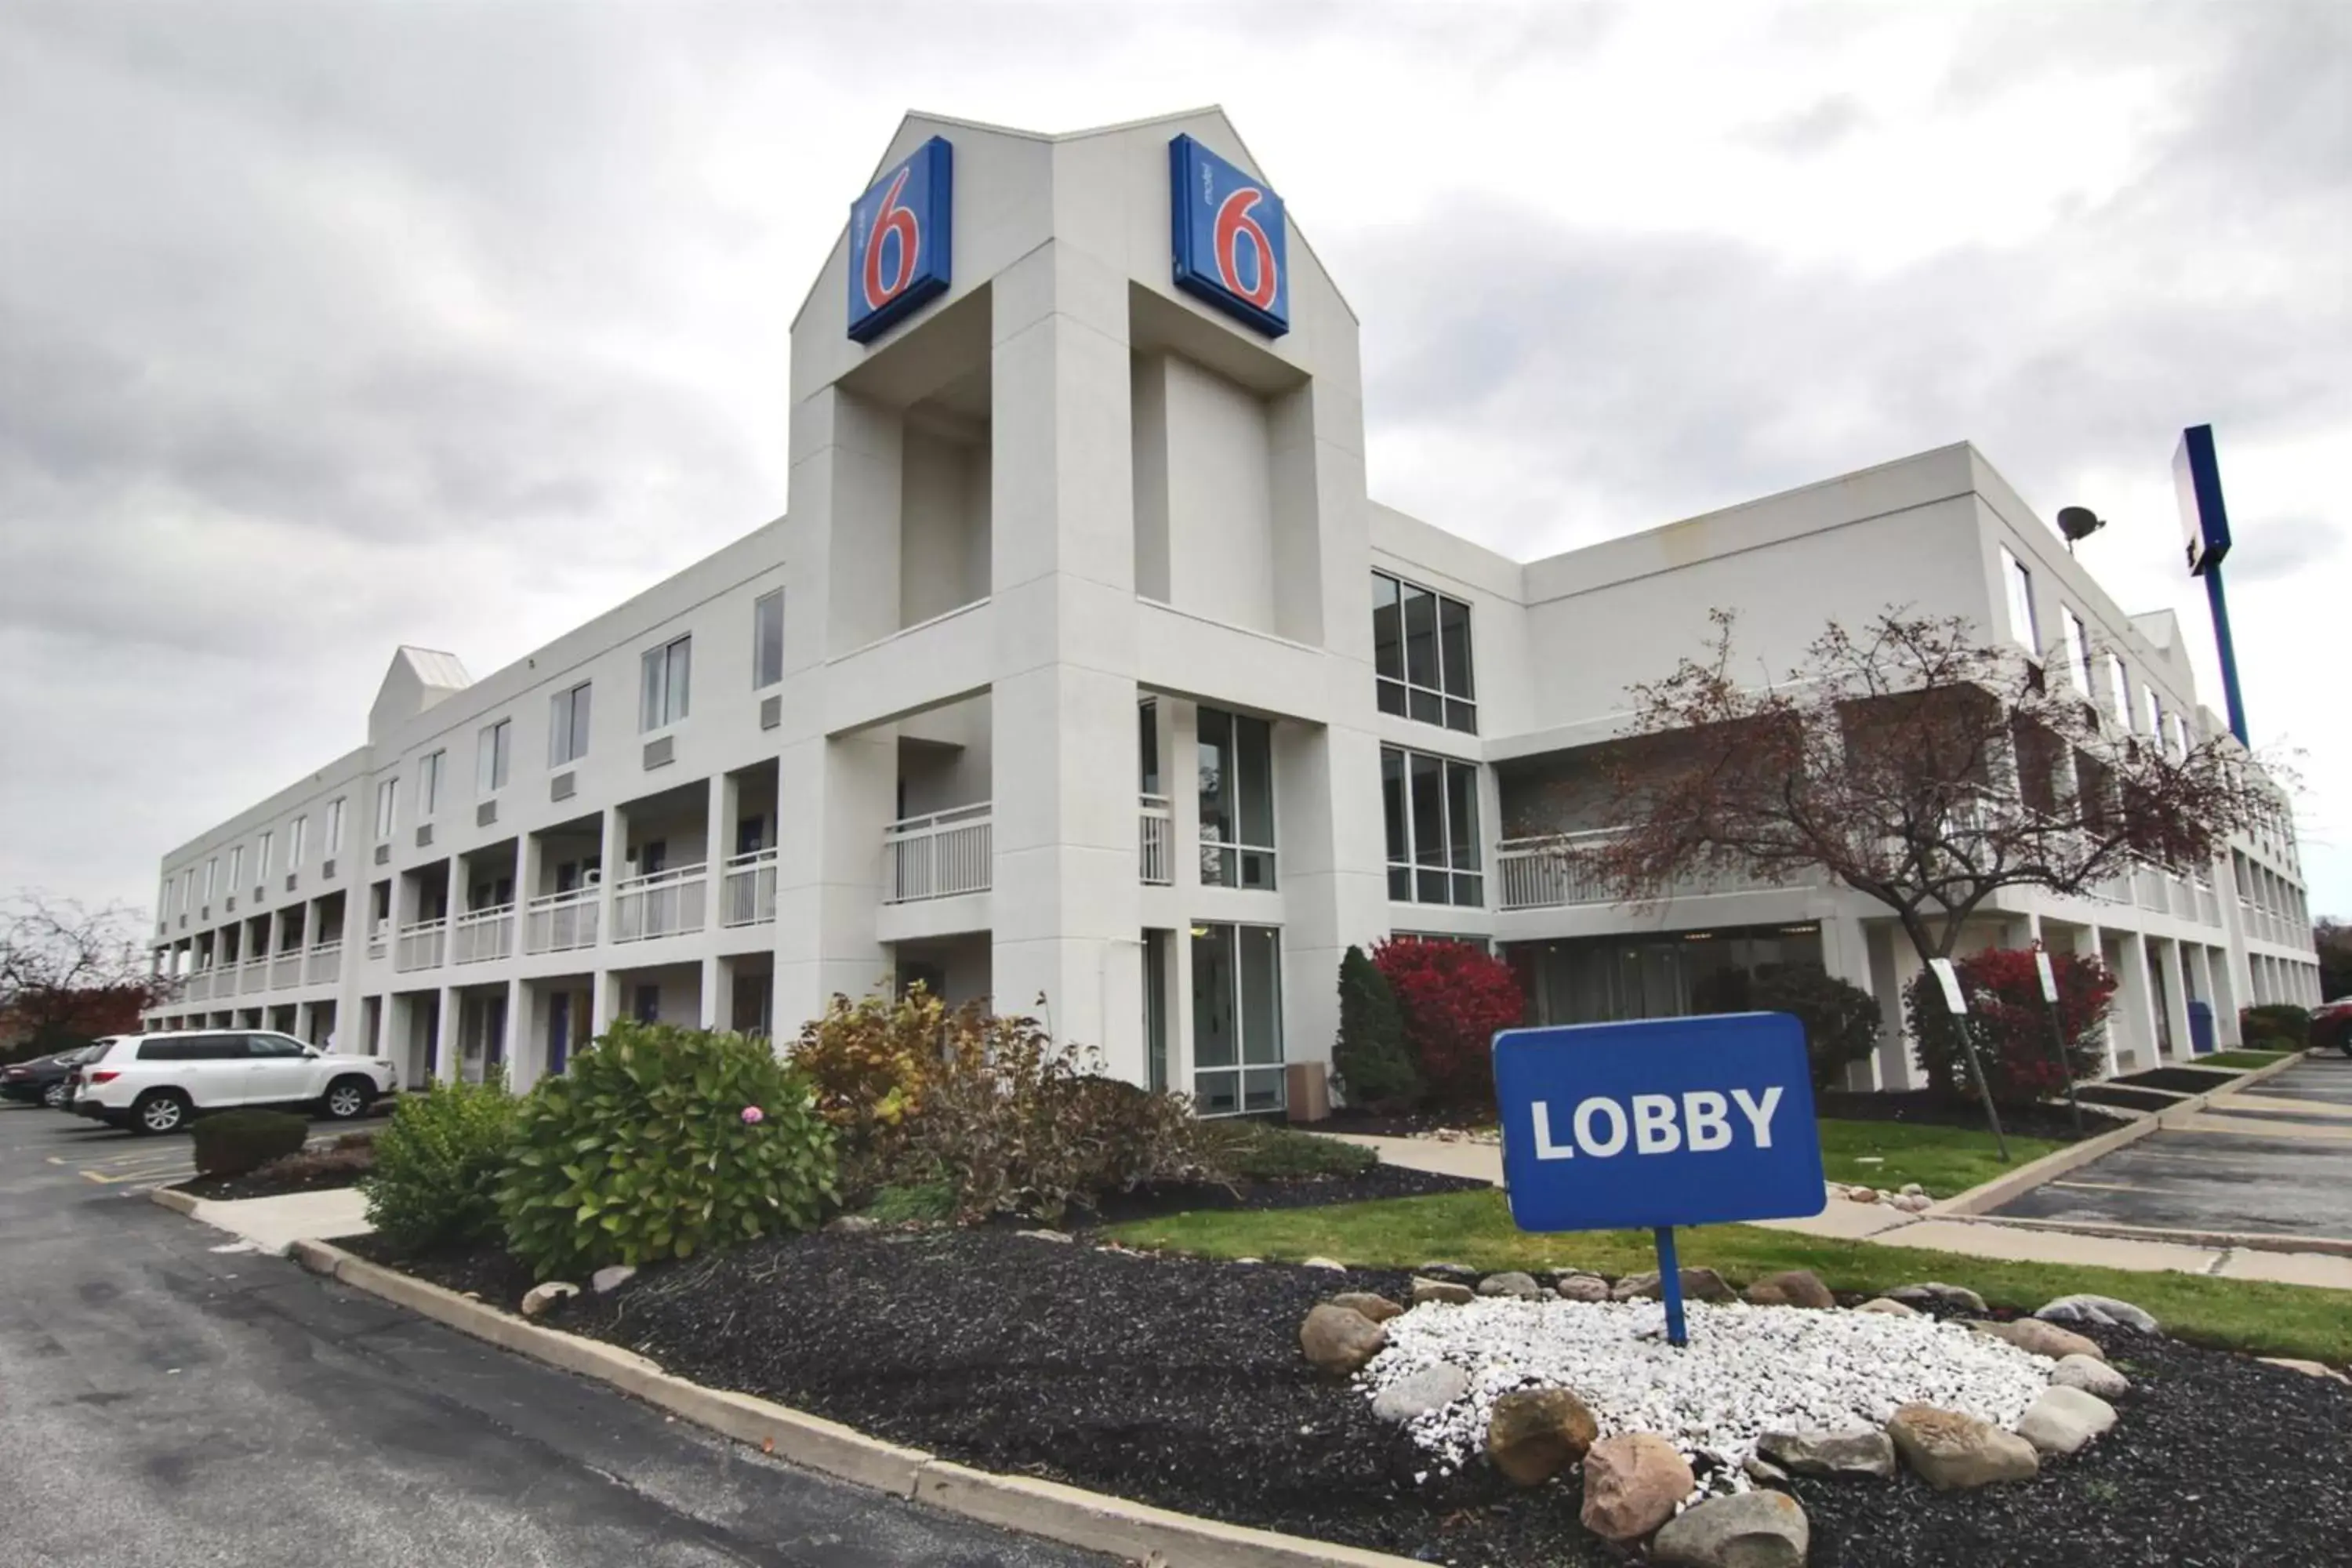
(2205, 521)
(1655, 1123)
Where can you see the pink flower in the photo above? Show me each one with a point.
(753, 1116)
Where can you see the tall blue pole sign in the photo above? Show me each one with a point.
(901, 240)
(1656, 1123)
(2196, 479)
(1232, 242)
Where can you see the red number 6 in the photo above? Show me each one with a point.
(891, 218)
(1233, 221)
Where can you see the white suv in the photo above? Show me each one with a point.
(154, 1083)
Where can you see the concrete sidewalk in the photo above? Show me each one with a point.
(1844, 1220)
(273, 1224)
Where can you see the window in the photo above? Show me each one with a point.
(236, 867)
(265, 858)
(1421, 655)
(1432, 828)
(567, 728)
(645, 1005)
(297, 841)
(335, 825)
(212, 873)
(428, 782)
(1237, 767)
(667, 669)
(2179, 736)
(492, 754)
(2155, 714)
(384, 794)
(2078, 654)
(2118, 691)
(1237, 1019)
(2019, 584)
(768, 639)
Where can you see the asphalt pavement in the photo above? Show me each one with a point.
(166, 1402)
(2273, 1159)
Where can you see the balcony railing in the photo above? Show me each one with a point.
(481, 934)
(323, 965)
(558, 923)
(421, 945)
(378, 943)
(195, 985)
(1158, 831)
(662, 903)
(286, 970)
(252, 976)
(1543, 874)
(747, 888)
(938, 855)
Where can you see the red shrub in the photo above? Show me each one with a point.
(2012, 1032)
(1454, 998)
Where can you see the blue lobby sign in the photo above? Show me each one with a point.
(901, 240)
(1232, 242)
(1658, 1122)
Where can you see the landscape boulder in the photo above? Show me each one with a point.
(1583, 1288)
(539, 1298)
(1889, 1306)
(2308, 1368)
(1415, 1395)
(1333, 1264)
(1953, 1452)
(1533, 1433)
(1449, 1292)
(2102, 1311)
(1379, 1308)
(1453, 1273)
(606, 1281)
(1934, 1296)
(1832, 1455)
(1752, 1530)
(2062, 1419)
(1790, 1288)
(1632, 1484)
(2038, 1337)
(851, 1224)
(1521, 1287)
(1340, 1340)
(2091, 1375)
(1698, 1285)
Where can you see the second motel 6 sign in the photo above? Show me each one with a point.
(901, 240)
(1231, 243)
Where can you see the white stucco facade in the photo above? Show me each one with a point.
(1050, 537)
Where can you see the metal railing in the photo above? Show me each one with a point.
(195, 985)
(938, 855)
(1544, 874)
(252, 976)
(421, 945)
(286, 970)
(662, 903)
(558, 923)
(378, 943)
(481, 934)
(1158, 831)
(323, 965)
(747, 888)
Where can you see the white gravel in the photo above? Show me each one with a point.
(1746, 1371)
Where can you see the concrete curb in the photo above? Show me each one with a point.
(2219, 1240)
(177, 1202)
(2057, 1163)
(1090, 1520)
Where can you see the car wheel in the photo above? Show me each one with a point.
(54, 1097)
(348, 1097)
(159, 1111)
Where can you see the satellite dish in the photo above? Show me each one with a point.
(2078, 523)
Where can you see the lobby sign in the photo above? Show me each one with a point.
(1231, 239)
(901, 240)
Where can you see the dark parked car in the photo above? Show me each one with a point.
(42, 1080)
(2331, 1025)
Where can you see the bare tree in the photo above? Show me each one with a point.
(69, 973)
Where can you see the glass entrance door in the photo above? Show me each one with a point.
(1237, 1019)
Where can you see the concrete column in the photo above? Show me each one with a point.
(834, 798)
(2136, 1000)
(448, 1045)
(1333, 871)
(601, 991)
(1846, 954)
(530, 864)
(713, 983)
(302, 1021)
(518, 1028)
(609, 853)
(2175, 997)
(718, 832)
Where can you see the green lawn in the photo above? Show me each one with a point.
(1473, 1227)
(1943, 1159)
(2240, 1058)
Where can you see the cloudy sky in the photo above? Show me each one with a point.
(326, 325)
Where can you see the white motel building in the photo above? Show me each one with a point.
(1084, 669)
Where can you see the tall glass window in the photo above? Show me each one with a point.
(266, 857)
(567, 726)
(2078, 654)
(298, 843)
(1237, 1019)
(1236, 783)
(2118, 691)
(2018, 583)
(493, 754)
(386, 794)
(1421, 655)
(428, 782)
(335, 825)
(1432, 806)
(236, 867)
(667, 672)
(768, 639)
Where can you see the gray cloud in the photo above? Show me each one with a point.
(1816, 128)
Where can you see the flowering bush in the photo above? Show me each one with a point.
(1454, 998)
(662, 1142)
(2011, 1026)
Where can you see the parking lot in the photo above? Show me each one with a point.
(2275, 1159)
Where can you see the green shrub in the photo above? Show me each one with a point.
(915, 1203)
(1252, 1151)
(1023, 1126)
(1841, 1019)
(662, 1142)
(237, 1142)
(2277, 1025)
(1370, 1062)
(435, 1179)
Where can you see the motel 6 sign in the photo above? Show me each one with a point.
(899, 240)
(1231, 239)
(1658, 1122)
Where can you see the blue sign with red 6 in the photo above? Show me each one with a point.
(900, 232)
(1230, 237)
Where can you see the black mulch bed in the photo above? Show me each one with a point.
(1923, 1108)
(304, 1173)
(2130, 1097)
(2187, 1080)
(1179, 1382)
(1291, 1193)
